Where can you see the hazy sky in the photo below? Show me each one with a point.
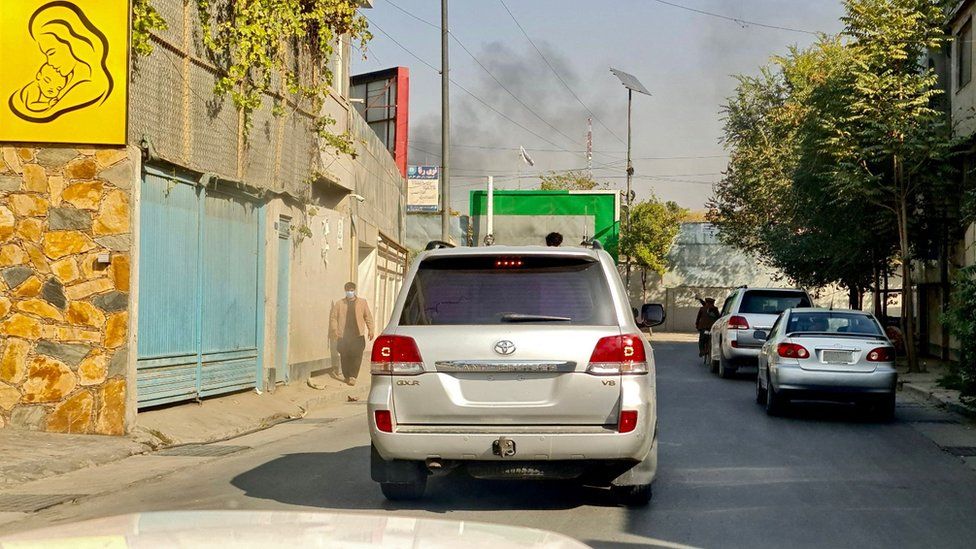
(685, 59)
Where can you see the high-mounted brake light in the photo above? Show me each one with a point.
(396, 355)
(738, 323)
(627, 421)
(792, 350)
(508, 262)
(881, 354)
(384, 421)
(616, 355)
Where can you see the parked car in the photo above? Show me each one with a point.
(515, 363)
(746, 310)
(826, 355)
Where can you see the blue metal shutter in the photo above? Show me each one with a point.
(168, 291)
(230, 298)
(198, 291)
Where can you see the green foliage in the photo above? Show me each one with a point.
(573, 180)
(257, 41)
(840, 156)
(960, 320)
(145, 19)
(653, 226)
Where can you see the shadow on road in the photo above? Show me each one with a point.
(337, 480)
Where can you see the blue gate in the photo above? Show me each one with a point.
(198, 291)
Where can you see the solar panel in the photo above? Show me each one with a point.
(630, 81)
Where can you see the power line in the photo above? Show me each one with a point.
(560, 78)
(460, 87)
(742, 22)
(537, 149)
(488, 71)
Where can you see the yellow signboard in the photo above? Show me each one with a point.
(64, 71)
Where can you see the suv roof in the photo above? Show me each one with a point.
(512, 250)
(752, 288)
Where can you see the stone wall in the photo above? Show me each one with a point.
(65, 238)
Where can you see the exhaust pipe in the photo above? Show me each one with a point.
(434, 465)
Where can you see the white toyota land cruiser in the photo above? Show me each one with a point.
(515, 363)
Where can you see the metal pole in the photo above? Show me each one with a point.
(490, 236)
(630, 175)
(445, 129)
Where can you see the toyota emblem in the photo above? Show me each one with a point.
(504, 347)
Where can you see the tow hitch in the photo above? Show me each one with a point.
(503, 447)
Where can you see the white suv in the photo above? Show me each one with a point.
(514, 363)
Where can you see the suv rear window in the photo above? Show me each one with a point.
(479, 290)
(772, 302)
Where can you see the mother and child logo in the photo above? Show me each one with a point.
(74, 75)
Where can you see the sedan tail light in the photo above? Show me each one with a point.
(396, 355)
(881, 354)
(792, 350)
(615, 355)
(738, 323)
(627, 421)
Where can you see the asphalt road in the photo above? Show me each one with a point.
(729, 477)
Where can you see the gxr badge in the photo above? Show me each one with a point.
(504, 347)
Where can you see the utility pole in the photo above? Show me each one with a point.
(589, 147)
(445, 129)
(632, 84)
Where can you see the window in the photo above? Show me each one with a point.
(772, 302)
(964, 54)
(833, 323)
(727, 306)
(774, 331)
(474, 291)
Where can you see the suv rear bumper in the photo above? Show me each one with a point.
(542, 445)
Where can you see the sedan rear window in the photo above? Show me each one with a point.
(509, 290)
(833, 323)
(772, 303)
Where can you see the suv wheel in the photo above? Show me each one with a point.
(725, 368)
(404, 491)
(632, 496)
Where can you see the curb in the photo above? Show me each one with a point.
(930, 397)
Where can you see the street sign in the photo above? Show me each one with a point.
(64, 75)
(423, 188)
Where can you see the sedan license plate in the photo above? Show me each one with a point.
(838, 357)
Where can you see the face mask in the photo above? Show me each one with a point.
(350, 294)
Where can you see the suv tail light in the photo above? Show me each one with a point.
(396, 355)
(792, 350)
(738, 323)
(627, 421)
(384, 421)
(881, 354)
(615, 355)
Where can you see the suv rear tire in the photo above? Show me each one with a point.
(632, 496)
(404, 491)
(725, 368)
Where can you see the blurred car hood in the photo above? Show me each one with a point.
(266, 529)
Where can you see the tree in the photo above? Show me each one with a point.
(573, 180)
(776, 202)
(890, 143)
(654, 224)
(840, 154)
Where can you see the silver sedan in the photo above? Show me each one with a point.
(819, 354)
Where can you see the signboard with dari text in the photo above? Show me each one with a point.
(423, 188)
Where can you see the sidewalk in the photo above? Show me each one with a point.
(925, 385)
(28, 456)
